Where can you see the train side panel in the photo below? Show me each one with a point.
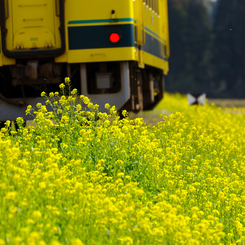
(156, 35)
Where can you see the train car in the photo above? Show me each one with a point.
(115, 52)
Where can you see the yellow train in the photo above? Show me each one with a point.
(114, 51)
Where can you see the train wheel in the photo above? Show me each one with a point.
(136, 100)
(138, 97)
(153, 89)
(135, 103)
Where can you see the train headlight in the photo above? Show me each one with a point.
(114, 37)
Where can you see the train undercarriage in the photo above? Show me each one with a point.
(122, 84)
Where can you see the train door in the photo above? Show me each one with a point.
(32, 25)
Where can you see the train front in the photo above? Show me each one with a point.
(98, 44)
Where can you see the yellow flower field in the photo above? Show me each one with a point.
(84, 177)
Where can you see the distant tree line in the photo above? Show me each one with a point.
(207, 42)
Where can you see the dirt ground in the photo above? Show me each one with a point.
(228, 102)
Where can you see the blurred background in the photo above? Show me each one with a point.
(207, 41)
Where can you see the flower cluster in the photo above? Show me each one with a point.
(80, 176)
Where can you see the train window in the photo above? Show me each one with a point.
(144, 1)
(154, 6)
(151, 4)
(148, 2)
(157, 7)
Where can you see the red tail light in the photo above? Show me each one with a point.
(114, 37)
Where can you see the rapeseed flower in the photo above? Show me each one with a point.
(80, 176)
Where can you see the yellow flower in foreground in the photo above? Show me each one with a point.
(67, 80)
(107, 106)
(77, 242)
(62, 86)
(2, 242)
(81, 176)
